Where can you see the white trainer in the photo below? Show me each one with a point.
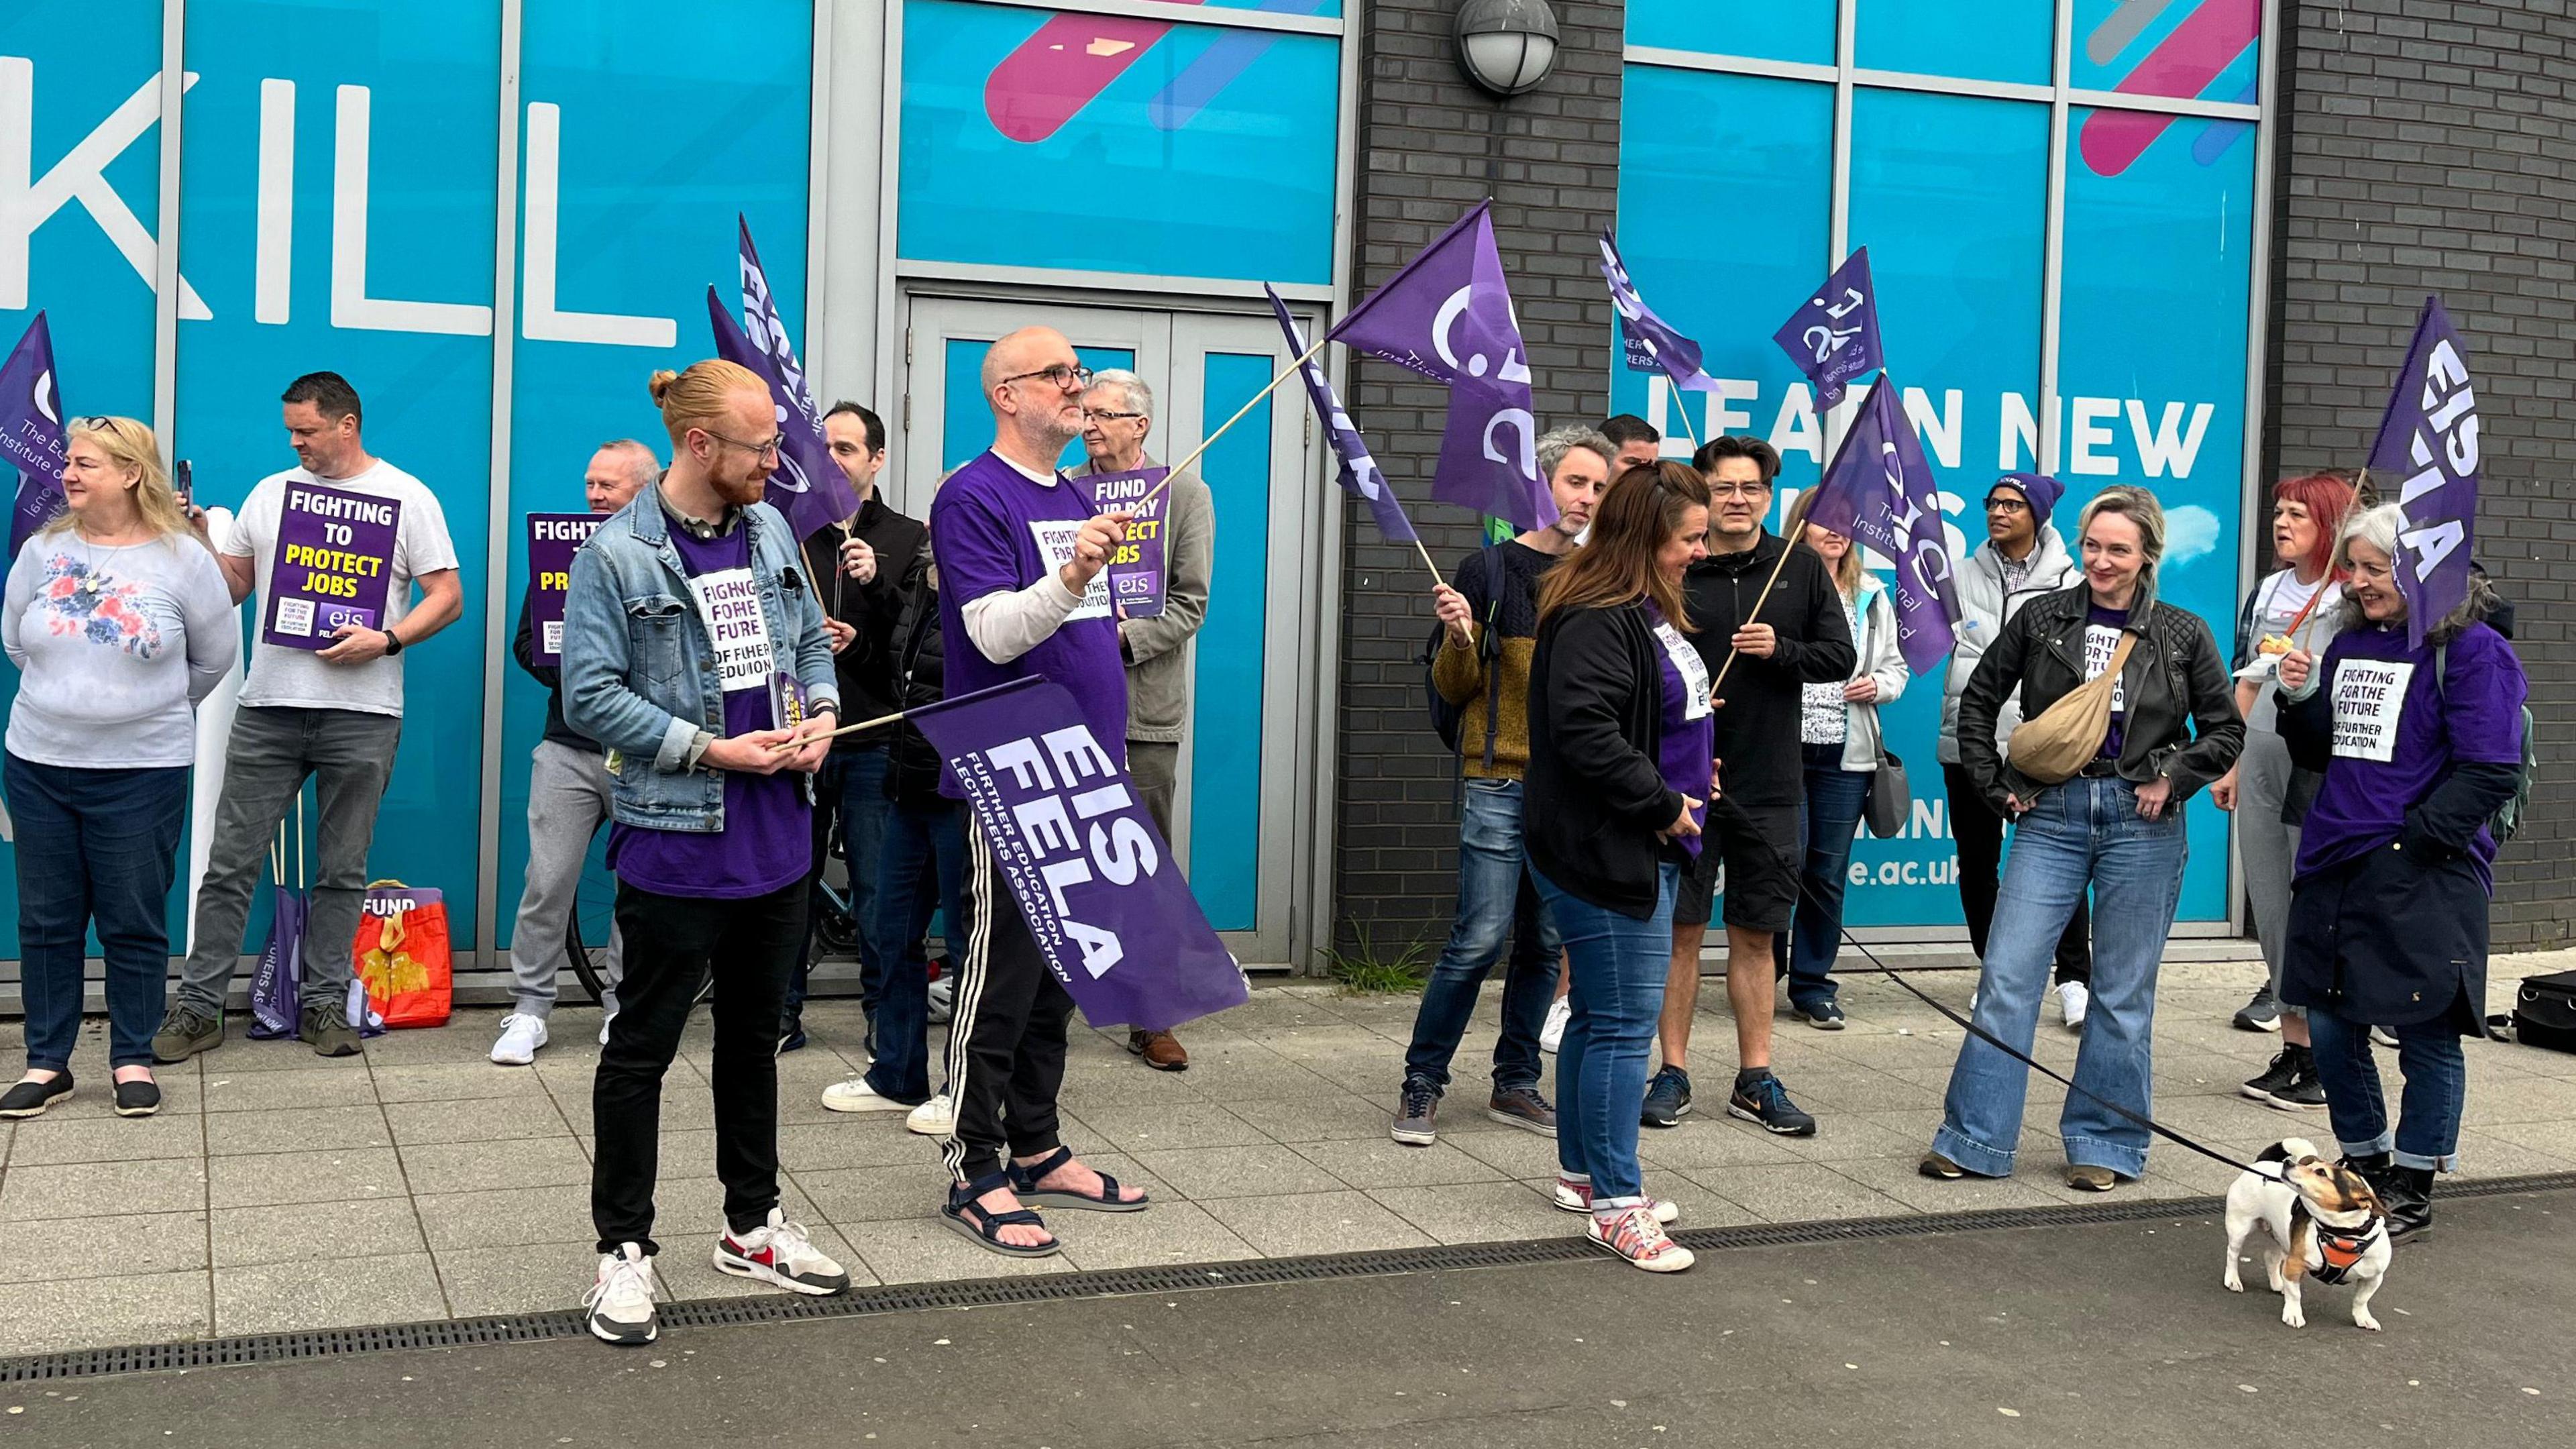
(943, 999)
(521, 1035)
(779, 1253)
(855, 1095)
(1552, 1035)
(603, 1027)
(934, 1118)
(2073, 1001)
(1576, 1197)
(621, 1302)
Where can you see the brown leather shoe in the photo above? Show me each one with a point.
(1160, 1049)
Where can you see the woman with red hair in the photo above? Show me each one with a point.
(2290, 609)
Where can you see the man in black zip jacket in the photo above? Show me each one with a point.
(1798, 636)
(862, 567)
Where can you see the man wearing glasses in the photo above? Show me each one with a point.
(2022, 558)
(1024, 590)
(1796, 636)
(1118, 412)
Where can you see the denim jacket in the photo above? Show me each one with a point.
(639, 673)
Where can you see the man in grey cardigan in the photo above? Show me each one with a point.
(1118, 412)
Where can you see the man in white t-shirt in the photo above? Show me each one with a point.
(332, 714)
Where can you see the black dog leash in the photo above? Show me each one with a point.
(1991, 1040)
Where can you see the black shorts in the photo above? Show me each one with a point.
(1753, 851)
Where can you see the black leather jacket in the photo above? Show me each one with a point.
(2182, 721)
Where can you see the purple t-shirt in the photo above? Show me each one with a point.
(996, 530)
(767, 842)
(1690, 725)
(2396, 732)
(2101, 640)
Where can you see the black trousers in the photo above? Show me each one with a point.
(1979, 832)
(671, 944)
(1006, 1037)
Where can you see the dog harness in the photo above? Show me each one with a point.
(2341, 1248)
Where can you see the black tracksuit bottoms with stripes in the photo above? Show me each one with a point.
(1006, 1038)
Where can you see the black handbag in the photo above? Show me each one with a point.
(2544, 1012)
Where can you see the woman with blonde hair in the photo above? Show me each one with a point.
(1838, 732)
(120, 621)
(2113, 826)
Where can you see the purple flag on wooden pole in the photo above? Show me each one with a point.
(808, 487)
(1879, 490)
(2428, 438)
(1448, 316)
(1069, 836)
(1833, 337)
(1652, 344)
(1360, 474)
(31, 432)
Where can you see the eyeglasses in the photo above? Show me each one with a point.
(1109, 417)
(758, 450)
(1061, 375)
(1738, 490)
(2006, 505)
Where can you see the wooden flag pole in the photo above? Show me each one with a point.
(1679, 398)
(1789, 543)
(802, 741)
(1239, 415)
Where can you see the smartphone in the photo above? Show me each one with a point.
(183, 483)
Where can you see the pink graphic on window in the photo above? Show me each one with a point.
(2205, 44)
(1071, 59)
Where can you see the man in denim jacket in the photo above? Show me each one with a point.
(688, 629)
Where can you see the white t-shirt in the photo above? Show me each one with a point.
(280, 676)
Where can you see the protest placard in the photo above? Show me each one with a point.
(552, 539)
(1137, 570)
(333, 566)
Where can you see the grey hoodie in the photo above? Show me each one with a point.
(1984, 607)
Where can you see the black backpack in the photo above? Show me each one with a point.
(1448, 719)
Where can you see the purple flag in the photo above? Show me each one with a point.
(552, 540)
(1136, 574)
(1834, 337)
(1653, 345)
(31, 432)
(2429, 439)
(1360, 473)
(1879, 490)
(808, 487)
(1448, 316)
(1100, 889)
(334, 565)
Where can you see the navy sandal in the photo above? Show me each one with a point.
(984, 1227)
(1024, 1182)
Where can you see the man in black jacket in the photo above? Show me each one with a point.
(567, 800)
(861, 569)
(1795, 635)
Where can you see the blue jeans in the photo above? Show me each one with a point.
(2084, 832)
(921, 868)
(850, 788)
(2437, 1088)
(1619, 965)
(1834, 800)
(94, 845)
(1493, 898)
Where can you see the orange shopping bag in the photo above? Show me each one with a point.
(402, 955)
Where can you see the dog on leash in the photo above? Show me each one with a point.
(2324, 1223)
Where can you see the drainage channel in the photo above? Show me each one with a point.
(259, 1348)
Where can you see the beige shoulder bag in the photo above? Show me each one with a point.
(2051, 748)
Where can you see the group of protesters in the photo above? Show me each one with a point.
(1670, 711)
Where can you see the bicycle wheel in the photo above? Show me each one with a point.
(594, 915)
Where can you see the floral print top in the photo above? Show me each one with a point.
(115, 644)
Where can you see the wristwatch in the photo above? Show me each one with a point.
(393, 644)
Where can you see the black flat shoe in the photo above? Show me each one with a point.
(138, 1099)
(30, 1099)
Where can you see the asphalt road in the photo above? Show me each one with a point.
(2045, 1337)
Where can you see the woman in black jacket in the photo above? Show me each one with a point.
(1620, 775)
(2114, 828)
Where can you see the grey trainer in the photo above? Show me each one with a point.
(1524, 1108)
(1416, 1114)
(185, 1032)
(328, 1032)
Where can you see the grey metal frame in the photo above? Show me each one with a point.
(2061, 96)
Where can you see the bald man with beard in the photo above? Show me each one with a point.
(1023, 592)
